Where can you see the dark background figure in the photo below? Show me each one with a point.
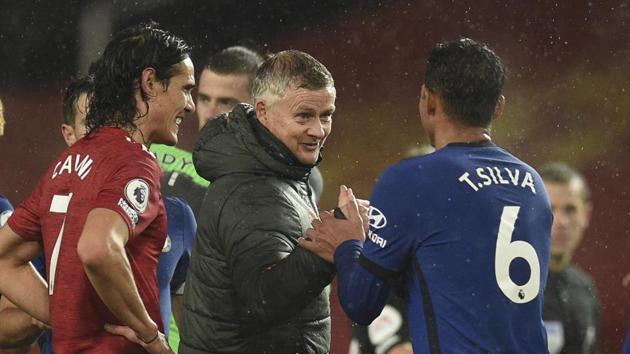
(568, 85)
(571, 311)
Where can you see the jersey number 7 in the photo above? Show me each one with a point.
(506, 252)
(59, 205)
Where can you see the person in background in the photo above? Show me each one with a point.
(571, 311)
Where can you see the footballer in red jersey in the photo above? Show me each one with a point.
(98, 213)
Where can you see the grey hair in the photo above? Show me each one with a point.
(289, 69)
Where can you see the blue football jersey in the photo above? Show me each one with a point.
(6, 209)
(466, 230)
(175, 256)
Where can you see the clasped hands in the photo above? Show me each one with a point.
(328, 232)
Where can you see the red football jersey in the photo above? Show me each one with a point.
(106, 169)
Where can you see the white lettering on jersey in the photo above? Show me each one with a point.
(133, 215)
(81, 167)
(84, 167)
(487, 176)
(376, 239)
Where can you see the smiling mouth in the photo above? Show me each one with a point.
(311, 146)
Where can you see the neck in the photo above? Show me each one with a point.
(458, 134)
(138, 136)
(559, 262)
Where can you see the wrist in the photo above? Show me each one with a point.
(149, 340)
(149, 333)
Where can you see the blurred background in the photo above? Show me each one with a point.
(567, 91)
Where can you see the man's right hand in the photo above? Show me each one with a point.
(159, 345)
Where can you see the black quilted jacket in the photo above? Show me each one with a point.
(250, 287)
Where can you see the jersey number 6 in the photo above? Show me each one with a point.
(506, 252)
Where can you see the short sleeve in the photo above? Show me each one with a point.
(26, 219)
(133, 191)
(390, 237)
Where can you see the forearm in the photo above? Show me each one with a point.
(284, 289)
(23, 286)
(112, 277)
(362, 294)
(17, 328)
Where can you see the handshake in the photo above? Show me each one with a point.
(348, 221)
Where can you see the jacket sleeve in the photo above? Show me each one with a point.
(273, 276)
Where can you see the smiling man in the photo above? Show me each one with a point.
(98, 212)
(225, 81)
(250, 289)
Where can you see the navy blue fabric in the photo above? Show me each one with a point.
(436, 222)
(175, 257)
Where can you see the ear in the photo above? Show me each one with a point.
(588, 213)
(423, 105)
(68, 134)
(422, 97)
(149, 83)
(261, 112)
(433, 102)
(498, 109)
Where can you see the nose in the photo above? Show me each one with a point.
(560, 219)
(190, 104)
(316, 129)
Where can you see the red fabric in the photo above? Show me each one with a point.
(104, 170)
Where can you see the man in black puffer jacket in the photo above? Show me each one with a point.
(250, 287)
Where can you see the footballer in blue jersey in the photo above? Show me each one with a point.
(464, 231)
(175, 257)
